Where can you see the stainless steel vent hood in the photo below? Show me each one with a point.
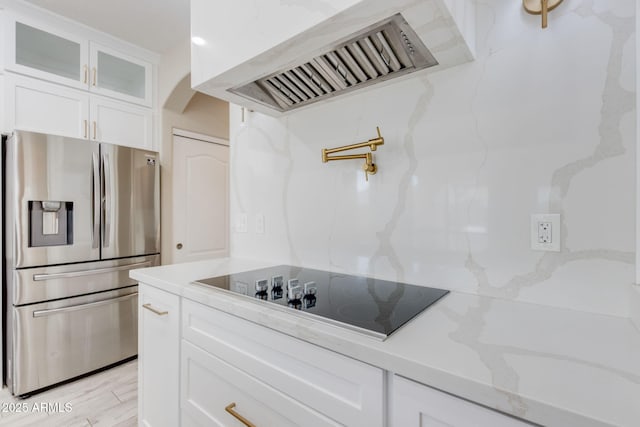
(279, 58)
(386, 50)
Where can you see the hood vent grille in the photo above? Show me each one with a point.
(386, 50)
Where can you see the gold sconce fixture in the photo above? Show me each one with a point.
(540, 7)
(369, 167)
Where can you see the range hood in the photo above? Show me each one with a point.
(390, 49)
(277, 57)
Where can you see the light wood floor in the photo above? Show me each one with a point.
(109, 398)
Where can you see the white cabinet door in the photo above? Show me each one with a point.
(214, 393)
(121, 123)
(39, 51)
(159, 357)
(37, 106)
(417, 405)
(120, 76)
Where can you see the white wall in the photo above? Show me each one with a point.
(543, 121)
(182, 108)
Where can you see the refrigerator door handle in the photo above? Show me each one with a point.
(106, 170)
(95, 232)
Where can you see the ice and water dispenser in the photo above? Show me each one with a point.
(50, 223)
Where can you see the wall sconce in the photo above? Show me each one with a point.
(540, 7)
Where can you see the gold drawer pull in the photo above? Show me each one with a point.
(243, 420)
(154, 310)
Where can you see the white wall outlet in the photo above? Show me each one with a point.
(545, 232)
(242, 223)
(260, 223)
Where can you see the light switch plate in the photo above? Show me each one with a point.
(545, 232)
(242, 223)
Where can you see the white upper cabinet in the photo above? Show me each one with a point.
(39, 106)
(46, 54)
(120, 76)
(35, 49)
(120, 123)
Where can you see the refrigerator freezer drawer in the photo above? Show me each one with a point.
(33, 285)
(60, 340)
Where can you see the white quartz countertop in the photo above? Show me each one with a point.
(550, 366)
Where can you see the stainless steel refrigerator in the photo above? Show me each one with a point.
(78, 216)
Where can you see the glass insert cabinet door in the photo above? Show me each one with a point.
(50, 55)
(36, 50)
(118, 75)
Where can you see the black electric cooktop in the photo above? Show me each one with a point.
(372, 306)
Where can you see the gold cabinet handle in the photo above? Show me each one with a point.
(95, 76)
(86, 128)
(243, 420)
(86, 74)
(95, 131)
(544, 5)
(155, 310)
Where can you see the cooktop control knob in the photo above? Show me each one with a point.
(294, 293)
(309, 301)
(262, 285)
(292, 282)
(277, 281)
(310, 288)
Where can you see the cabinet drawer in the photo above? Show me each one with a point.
(417, 405)
(344, 389)
(209, 385)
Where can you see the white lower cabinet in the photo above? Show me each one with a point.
(306, 376)
(159, 357)
(215, 393)
(38, 106)
(202, 367)
(417, 405)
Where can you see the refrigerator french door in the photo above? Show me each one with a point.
(78, 216)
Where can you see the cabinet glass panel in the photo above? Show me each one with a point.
(120, 75)
(47, 52)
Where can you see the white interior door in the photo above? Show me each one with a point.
(200, 198)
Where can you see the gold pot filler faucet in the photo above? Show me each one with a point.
(369, 167)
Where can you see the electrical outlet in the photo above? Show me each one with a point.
(545, 232)
(241, 223)
(259, 224)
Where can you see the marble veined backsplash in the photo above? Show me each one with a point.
(543, 121)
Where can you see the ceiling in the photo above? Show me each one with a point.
(157, 25)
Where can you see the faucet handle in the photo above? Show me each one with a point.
(369, 167)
